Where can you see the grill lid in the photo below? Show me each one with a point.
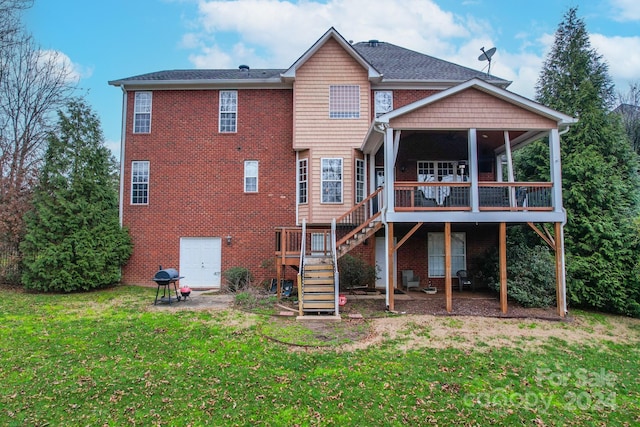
(166, 275)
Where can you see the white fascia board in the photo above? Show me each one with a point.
(290, 74)
(276, 83)
(479, 217)
(372, 141)
(398, 84)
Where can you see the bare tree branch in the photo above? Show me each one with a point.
(629, 110)
(33, 86)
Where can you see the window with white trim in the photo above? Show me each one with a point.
(435, 253)
(436, 169)
(251, 176)
(320, 243)
(303, 180)
(383, 102)
(140, 183)
(142, 112)
(360, 188)
(331, 180)
(344, 102)
(228, 111)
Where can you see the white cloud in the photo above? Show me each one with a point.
(274, 33)
(626, 10)
(620, 55)
(285, 30)
(62, 61)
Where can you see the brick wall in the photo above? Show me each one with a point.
(197, 179)
(413, 254)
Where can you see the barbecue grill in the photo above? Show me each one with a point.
(165, 278)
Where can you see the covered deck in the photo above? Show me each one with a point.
(447, 160)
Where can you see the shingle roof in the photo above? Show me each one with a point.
(397, 63)
(190, 75)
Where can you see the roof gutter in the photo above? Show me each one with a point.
(270, 83)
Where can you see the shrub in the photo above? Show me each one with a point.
(354, 272)
(530, 271)
(237, 278)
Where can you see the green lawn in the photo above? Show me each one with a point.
(109, 358)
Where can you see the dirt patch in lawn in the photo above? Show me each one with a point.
(476, 322)
(478, 333)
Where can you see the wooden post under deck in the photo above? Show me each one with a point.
(559, 270)
(503, 267)
(391, 269)
(278, 276)
(447, 266)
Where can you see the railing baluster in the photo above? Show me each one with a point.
(449, 196)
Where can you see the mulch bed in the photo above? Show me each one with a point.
(464, 304)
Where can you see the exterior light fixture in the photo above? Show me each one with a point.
(228, 240)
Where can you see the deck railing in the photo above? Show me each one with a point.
(290, 241)
(450, 196)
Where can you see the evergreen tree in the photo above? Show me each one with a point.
(74, 240)
(600, 175)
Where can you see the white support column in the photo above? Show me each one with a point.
(507, 151)
(473, 169)
(370, 171)
(561, 276)
(510, 176)
(556, 170)
(396, 146)
(389, 161)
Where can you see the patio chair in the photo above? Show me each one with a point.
(410, 280)
(464, 280)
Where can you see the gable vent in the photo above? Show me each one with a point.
(373, 43)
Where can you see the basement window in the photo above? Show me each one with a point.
(435, 253)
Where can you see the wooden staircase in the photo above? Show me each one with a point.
(358, 238)
(318, 287)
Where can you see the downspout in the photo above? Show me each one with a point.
(298, 186)
(122, 145)
(381, 128)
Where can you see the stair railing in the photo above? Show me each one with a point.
(358, 217)
(336, 278)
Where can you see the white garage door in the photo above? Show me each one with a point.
(200, 261)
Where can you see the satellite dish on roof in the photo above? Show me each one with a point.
(486, 56)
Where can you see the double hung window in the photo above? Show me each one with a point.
(435, 248)
(360, 187)
(142, 112)
(251, 176)
(303, 180)
(140, 183)
(332, 180)
(228, 111)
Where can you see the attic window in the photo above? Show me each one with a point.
(344, 102)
